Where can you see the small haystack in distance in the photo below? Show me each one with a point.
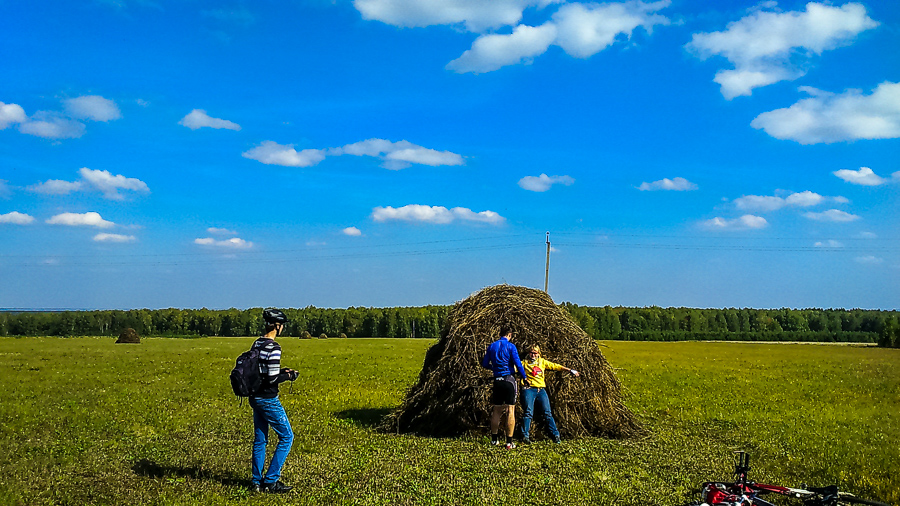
(452, 396)
(129, 336)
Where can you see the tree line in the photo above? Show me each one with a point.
(612, 323)
(401, 322)
(731, 324)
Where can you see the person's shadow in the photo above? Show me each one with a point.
(150, 469)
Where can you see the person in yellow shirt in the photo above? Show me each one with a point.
(535, 393)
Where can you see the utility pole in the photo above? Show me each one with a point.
(547, 268)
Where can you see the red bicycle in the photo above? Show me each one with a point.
(743, 492)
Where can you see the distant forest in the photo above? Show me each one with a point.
(612, 323)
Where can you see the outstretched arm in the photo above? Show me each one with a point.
(551, 366)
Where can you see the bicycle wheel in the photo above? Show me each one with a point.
(846, 499)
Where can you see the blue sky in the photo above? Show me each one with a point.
(407, 152)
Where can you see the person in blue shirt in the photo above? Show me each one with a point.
(502, 358)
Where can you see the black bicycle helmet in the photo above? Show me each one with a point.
(273, 315)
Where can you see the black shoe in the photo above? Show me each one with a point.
(275, 488)
(254, 487)
(526, 440)
(557, 440)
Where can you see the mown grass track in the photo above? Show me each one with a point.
(85, 421)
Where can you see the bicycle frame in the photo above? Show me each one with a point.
(743, 492)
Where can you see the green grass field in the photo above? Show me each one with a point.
(86, 421)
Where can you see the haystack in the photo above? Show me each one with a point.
(129, 336)
(452, 396)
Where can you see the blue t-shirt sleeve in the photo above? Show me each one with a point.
(515, 356)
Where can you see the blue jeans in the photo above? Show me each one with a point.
(269, 413)
(536, 398)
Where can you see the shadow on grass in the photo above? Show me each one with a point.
(367, 417)
(150, 469)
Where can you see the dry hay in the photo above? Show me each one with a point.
(323, 336)
(305, 335)
(342, 336)
(129, 336)
(452, 396)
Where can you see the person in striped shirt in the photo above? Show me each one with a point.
(267, 409)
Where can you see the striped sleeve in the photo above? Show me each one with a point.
(270, 361)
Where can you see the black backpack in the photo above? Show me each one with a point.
(245, 378)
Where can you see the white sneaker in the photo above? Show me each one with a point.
(510, 446)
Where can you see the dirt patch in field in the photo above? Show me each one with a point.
(452, 395)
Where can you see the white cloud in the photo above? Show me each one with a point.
(233, 243)
(493, 51)
(369, 147)
(272, 153)
(55, 187)
(199, 119)
(11, 113)
(869, 260)
(767, 47)
(402, 158)
(90, 219)
(759, 202)
(352, 231)
(831, 243)
(773, 203)
(16, 218)
(475, 15)
(867, 235)
(581, 30)
(98, 179)
(92, 107)
(58, 125)
(833, 215)
(827, 118)
(413, 212)
(110, 185)
(805, 199)
(543, 182)
(864, 176)
(220, 231)
(394, 155)
(675, 184)
(483, 216)
(103, 237)
(398, 155)
(434, 214)
(747, 221)
(51, 125)
(586, 29)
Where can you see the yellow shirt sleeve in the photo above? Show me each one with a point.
(550, 366)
